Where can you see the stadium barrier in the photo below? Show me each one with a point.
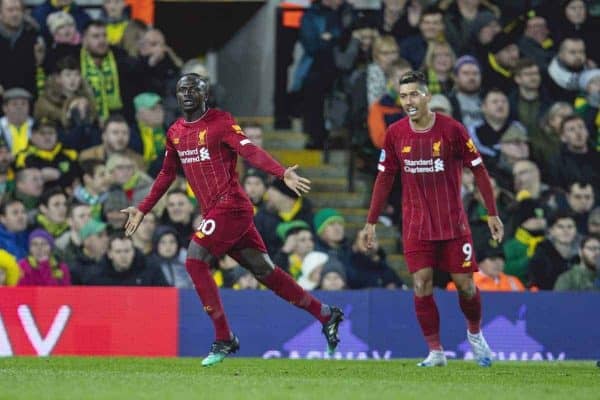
(379, 324)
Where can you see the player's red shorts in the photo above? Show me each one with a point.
(226, 230)
(454, 255)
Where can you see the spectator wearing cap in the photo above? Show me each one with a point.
(86, 264)
(116, 137)
(18, 38)
(123, 265)
(44, 10)
(166, 255)
(588, 105)
(496, 113)
(255, 186)
(282, 204)
(329, 225)
(297, 239)
(556, 254)
(585, 275)
(440, 103)
(546, 144)
(501, 59)
(63, 84)
(513, 147)
(13, 227)
(7, 174)
(566, 68)
(528, 216)
(491, 276)
(369, 268)
(466, 96)
(116, 200)
(459, 18)
(333, 276)
(387, 110)
(10, 273)
(536, 41)
(61, 26)
(431, 28)
(576, 160)
(149, 137)
(529, 101)
(312, 265)
(484, 29)
(593, 223)
(41, 267)
(58, 165)
(124, 172)
(15, 125)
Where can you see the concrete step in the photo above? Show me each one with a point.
(284, 140)
(337, 199)
(304, 158)
(354, 215)
(266, 122)
(397, 262)
(352, 227)
(323, 171)
(335, 185)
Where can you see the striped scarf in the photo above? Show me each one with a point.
(104, 80)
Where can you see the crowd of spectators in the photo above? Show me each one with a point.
(86, 104)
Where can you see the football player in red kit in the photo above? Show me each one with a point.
(429, 151)
(206, 143)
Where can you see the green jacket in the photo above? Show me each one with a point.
(518, 251)
(578, 278)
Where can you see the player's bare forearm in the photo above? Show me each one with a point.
(381, 191)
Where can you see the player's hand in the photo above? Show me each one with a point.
(295, 182)
(496, 228)
(369, 235)
(134, 219)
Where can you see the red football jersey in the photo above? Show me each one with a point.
(430, 164)
(207, 150)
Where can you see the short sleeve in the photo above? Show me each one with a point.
(466, 149)
(388, 158)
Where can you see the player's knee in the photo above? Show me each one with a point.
(423, 287)
(197, 252)
(466, 288)
(261, 270)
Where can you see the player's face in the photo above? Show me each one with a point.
(414, 100)
(192, 92)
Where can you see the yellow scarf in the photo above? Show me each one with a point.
(528, 239)
(153, 141)
(104, 80)
(115, 31)
(496, 67)
(289, 215)
(20, 139)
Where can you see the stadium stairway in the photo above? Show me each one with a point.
(330, 187)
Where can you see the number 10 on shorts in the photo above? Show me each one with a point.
(206, 228)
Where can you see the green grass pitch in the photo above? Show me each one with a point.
(247, 378)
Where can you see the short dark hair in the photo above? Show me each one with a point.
(49, 193)
(431, 10)
(67, 62)
(524, 63)
(568, 119)
(492, 90)
(6, 202)
(97, 23)
(74, 204)
(177, 191)
(88, 167)
(580, 183)
(117, 118)
(558, 215)
(415, 77)
(586, 239)
(118, 235)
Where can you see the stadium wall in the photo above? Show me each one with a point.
(379, 324)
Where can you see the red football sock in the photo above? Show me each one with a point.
(429, 320)
(471, 308)
(286, 287)
(209, 294)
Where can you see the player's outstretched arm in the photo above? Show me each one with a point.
(296, 182)
(134, 219)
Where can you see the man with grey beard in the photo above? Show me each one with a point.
(465, 98)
